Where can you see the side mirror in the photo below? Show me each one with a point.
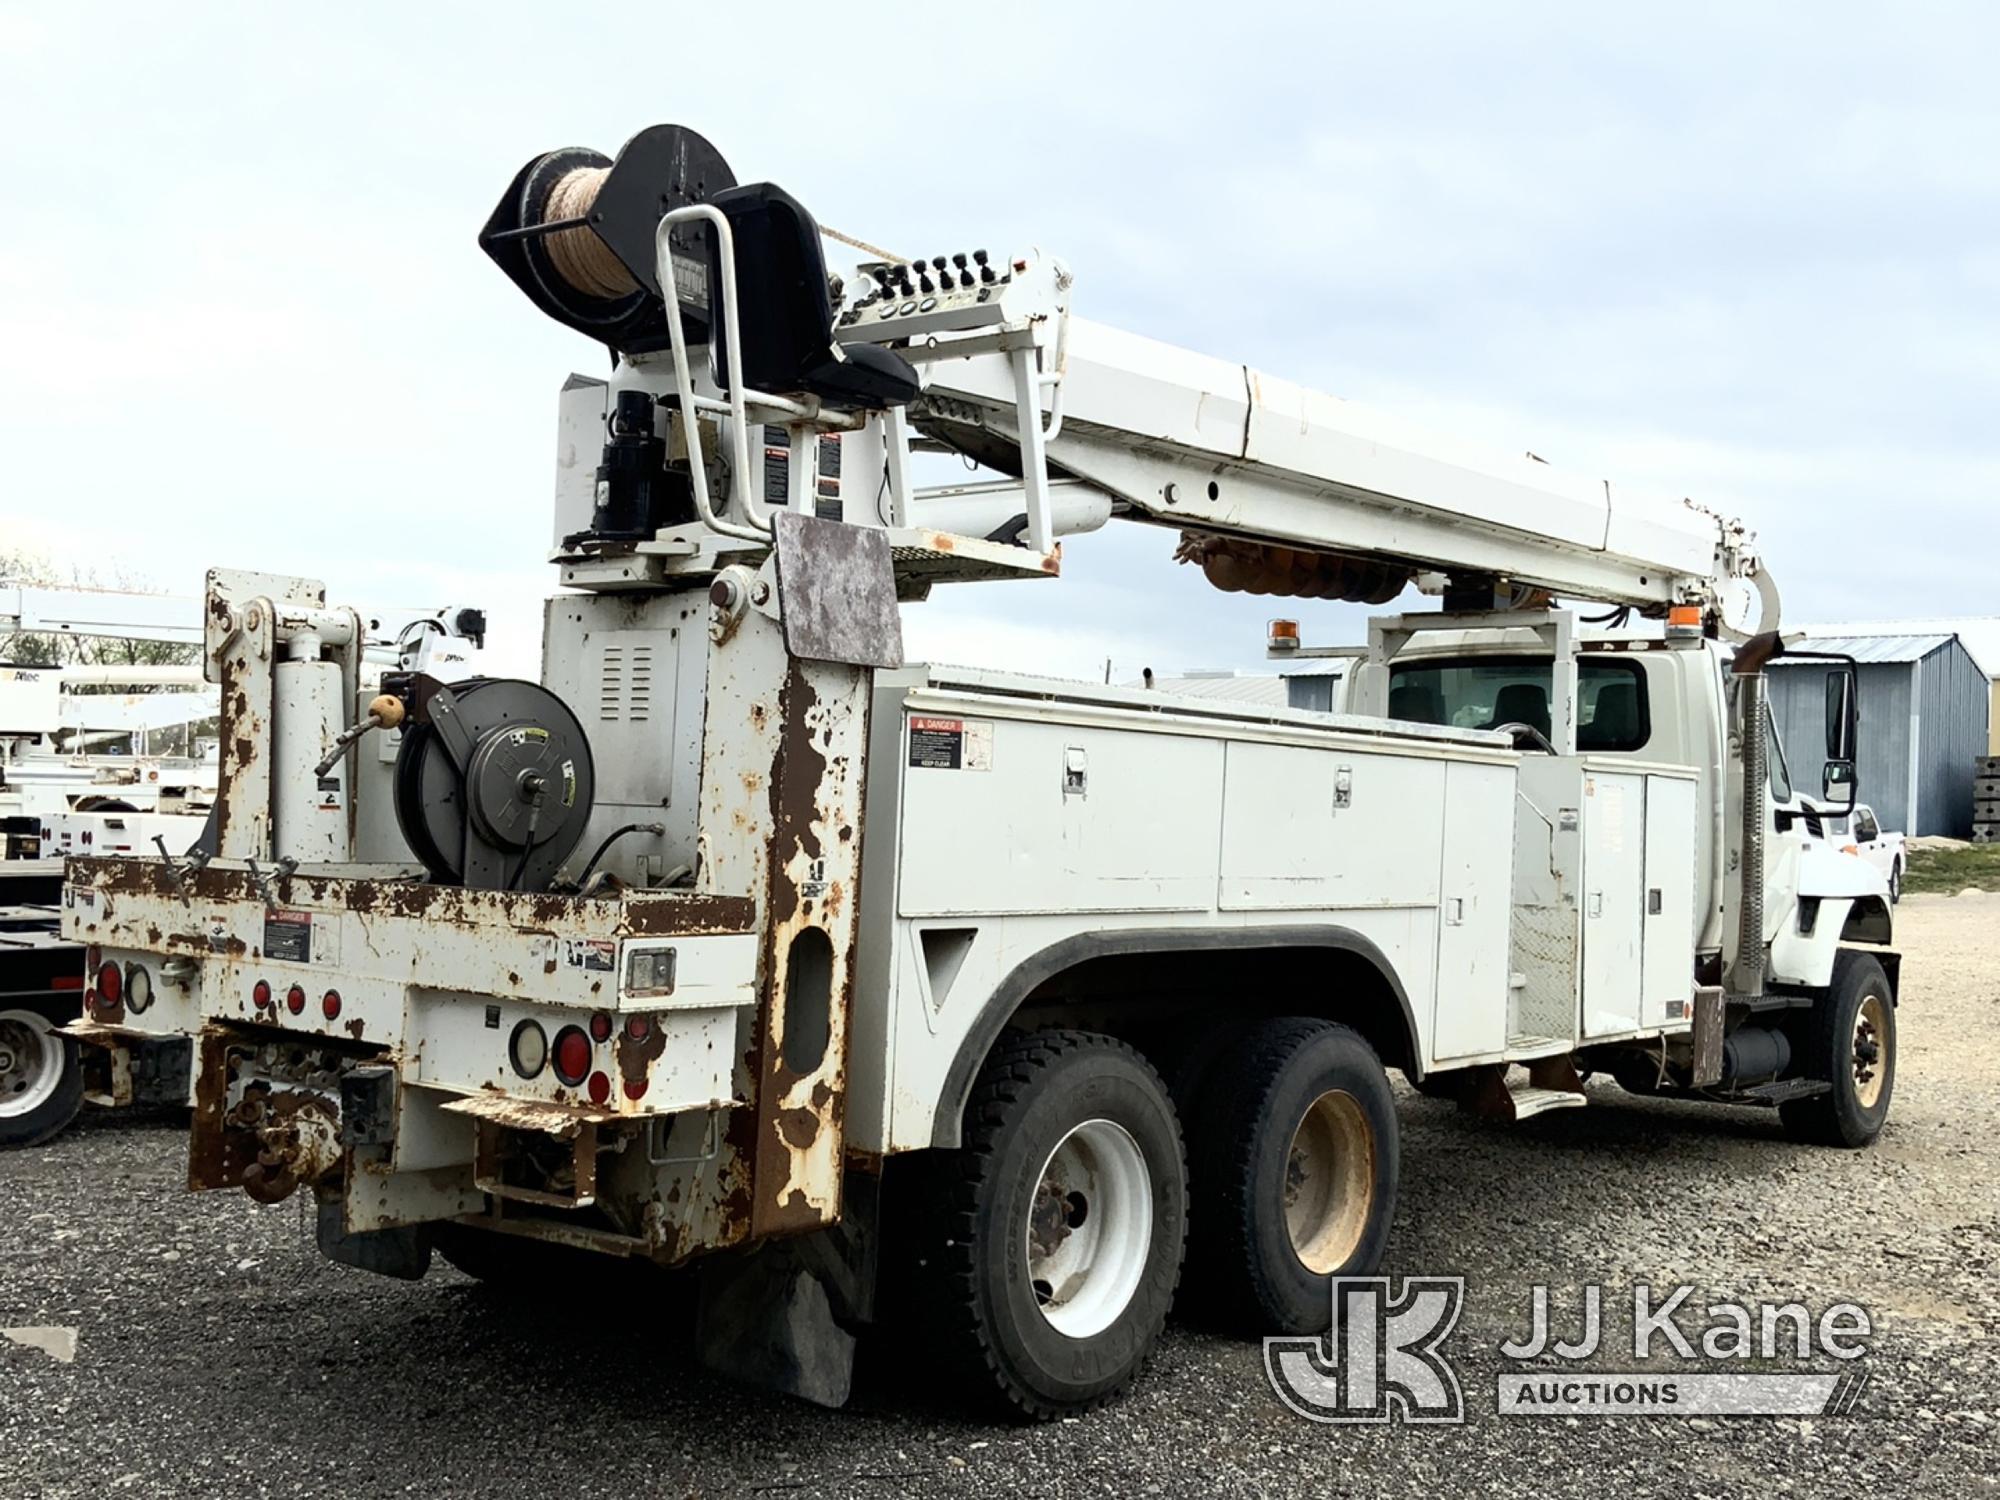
(1840, 714)
(1838, 779)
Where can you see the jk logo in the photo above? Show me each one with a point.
(1379, 1360)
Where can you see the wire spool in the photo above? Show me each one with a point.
(578, 255)
(601, 277)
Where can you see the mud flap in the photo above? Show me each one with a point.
(782, 1316)
(766, 1319)
(404, 1253)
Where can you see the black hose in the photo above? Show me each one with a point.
(611, 838)
(528, 848)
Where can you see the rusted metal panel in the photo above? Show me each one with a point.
(241, 663)
(837, 592)
(649, 913)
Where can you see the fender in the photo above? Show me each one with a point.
(1040, 967)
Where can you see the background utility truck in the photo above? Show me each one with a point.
(738, 942)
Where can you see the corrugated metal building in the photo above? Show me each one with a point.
(1923, 722)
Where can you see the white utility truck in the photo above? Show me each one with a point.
(739, 943)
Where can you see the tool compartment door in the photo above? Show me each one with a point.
(1614, 868)
(1475, 908)
(1667, 985)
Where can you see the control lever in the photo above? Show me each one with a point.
(173, 871)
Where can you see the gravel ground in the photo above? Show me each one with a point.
(217, 1353)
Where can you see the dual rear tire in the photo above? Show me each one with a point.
(1055, 1239)
(41, 1079)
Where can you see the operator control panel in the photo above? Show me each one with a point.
(939, 295)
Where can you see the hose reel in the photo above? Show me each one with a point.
(494, 783)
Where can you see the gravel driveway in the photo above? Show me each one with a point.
(216, 1353)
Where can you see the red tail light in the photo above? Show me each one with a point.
(600, 1088)
(329, 1005)
(295, 1000)
(572, 1055)
(600, 1027)
(638, 1028)
(260, 993)
(635, 1088)
(110, 984)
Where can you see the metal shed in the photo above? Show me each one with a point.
(1923, 722)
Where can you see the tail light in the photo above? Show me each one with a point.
(600, 1088)
(638, 1028)
(295, 1000)
(260, 993)
(635, 1088)
(600, 1027)
(572, 1055)
(528, 1049)
(329, 1005)
(110, 984)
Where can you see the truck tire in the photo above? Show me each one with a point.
(1060, 1224)
(1294, 1167)
(41, 1079)
(1849, 1039)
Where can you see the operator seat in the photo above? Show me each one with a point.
(1522, 703)
(1414, 703)
(785, 313)
(1614, 721)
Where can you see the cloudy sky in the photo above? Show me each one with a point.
(1745, 253)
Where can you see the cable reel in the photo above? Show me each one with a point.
(494, 783)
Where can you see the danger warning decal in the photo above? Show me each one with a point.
(951, 744)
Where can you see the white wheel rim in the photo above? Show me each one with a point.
(1329, 1182)
(1090, 1228)
(1870, 1050)
(31, 1063)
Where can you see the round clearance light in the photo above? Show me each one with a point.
(572, 1055)
(138, 988)
(600, 1027)
(600, 1088)
(110, 984)
(638, 1028)
(295, 1000)
(260, 993)
(329, 1005)
(528, 1049)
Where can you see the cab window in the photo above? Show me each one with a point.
(1489, 691)
(1781, 771)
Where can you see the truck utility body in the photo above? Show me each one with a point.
(736, 932)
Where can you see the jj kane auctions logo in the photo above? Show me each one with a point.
(1384, 1359)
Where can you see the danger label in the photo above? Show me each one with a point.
(294, 937)
(288, 936)
(951, 744)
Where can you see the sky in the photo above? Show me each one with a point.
(1745, 253)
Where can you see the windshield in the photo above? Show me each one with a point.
(1486, 692)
